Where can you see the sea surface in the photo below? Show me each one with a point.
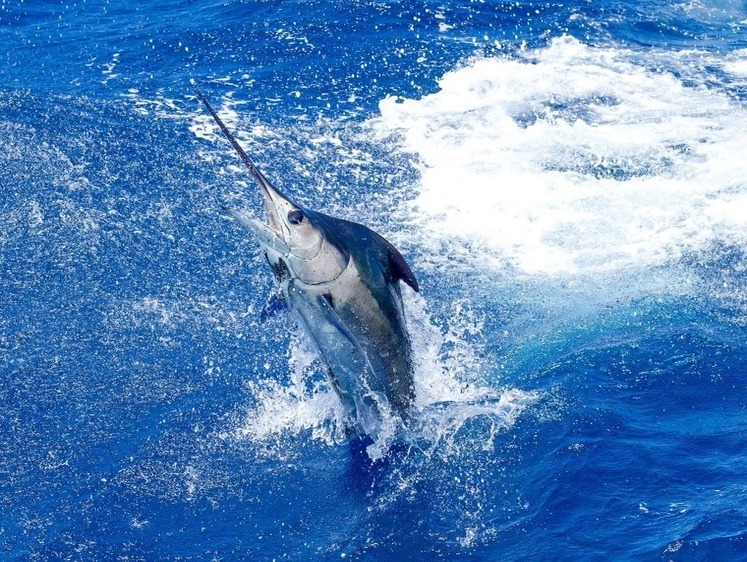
(568, 181)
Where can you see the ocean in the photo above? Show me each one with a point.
(567, 180)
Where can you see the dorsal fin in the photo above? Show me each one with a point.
(397, 265)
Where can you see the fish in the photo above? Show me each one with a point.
(342, 282)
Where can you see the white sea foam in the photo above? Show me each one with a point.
(573, 159)
(736, 64)
(204, 127)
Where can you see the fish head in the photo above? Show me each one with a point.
(294, 239)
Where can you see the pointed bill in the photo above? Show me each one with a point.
(272, 197)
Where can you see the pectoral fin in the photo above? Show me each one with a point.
(276, 303)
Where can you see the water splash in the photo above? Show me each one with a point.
(449, 394)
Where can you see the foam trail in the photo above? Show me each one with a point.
(574, 159)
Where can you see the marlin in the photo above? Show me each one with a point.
(342, 279)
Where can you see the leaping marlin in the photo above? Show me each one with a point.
(342, 279)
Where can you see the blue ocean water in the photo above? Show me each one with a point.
(568, 182)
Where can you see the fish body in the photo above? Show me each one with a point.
(342, 282)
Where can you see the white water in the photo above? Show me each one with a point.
(575, 159)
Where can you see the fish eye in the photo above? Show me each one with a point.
(295, 216)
